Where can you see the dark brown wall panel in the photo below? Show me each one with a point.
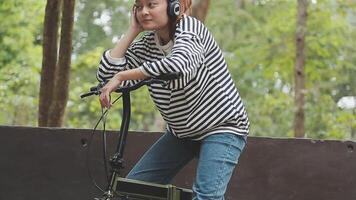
(47, 163)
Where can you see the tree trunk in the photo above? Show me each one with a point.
(49, 59)
(60, 96)
(299, 130)
(200, 9)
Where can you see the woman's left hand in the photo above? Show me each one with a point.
(111, 86)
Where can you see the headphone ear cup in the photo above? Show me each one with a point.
(174, 8)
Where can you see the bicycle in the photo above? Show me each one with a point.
(120, 188)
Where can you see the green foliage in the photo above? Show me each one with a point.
(18, 28)
(98, 22)
(20, 60)
(259, 42)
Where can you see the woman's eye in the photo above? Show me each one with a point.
(139, 7)
(152, 5)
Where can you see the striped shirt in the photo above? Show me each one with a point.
(204, 100)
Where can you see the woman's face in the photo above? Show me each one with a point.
(152, 14)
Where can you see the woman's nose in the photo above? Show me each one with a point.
(145, 10)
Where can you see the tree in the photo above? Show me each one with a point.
(60, 93)
(299, 88)
(55, 70)
(49, 59)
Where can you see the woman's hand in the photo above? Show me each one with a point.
(111, 86)
(135, 26)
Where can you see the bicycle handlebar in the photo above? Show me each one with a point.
(160, 79)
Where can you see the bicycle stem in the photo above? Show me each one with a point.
(116, 161)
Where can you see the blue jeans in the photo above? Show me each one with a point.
(217, 157)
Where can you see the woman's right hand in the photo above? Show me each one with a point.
(135, 26)
(105, 92)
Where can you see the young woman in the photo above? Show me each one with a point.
(205, 116)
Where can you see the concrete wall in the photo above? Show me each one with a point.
(44, 163)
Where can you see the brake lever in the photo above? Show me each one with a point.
(87, 95)
(93, 90)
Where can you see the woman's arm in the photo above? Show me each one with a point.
(121, 57)
(117, 55)
(123, 44)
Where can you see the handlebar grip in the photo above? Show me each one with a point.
(87, 94)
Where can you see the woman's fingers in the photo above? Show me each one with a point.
(104, 98)
(134, 20)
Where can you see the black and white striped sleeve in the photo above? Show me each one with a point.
(186, 56)
(109, 66)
